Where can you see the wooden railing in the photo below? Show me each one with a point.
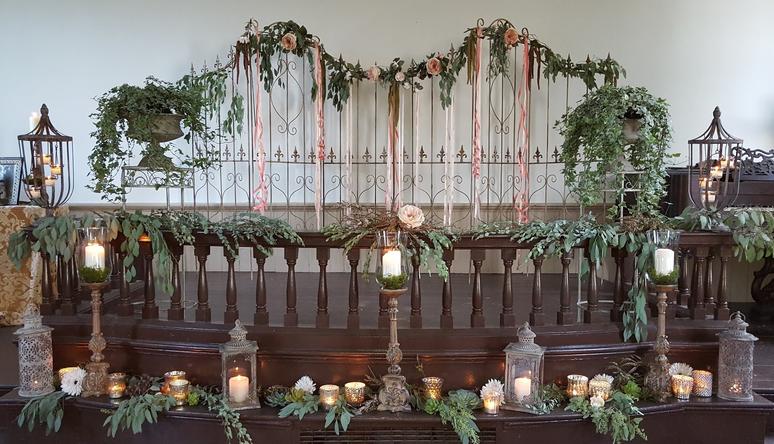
(701, 292)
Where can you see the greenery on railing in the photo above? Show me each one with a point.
(44, 410)
(132, 413)
(618, 417)
(457, 410)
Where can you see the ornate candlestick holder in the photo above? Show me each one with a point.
(658, 379)
(97, 370)
(394, 396)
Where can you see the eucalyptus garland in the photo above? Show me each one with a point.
(457, 410)
(618, 417)
(45, 410)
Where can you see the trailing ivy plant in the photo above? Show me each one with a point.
(619, 417)
(45, 410)
(229, 418)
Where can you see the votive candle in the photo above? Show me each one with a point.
(34, 192)
(50, 181)
(329, 394)
(522, 387)
(169, 377)
(45, 159)
(682, 386)
(577, 385)
(354, 392)
(492, 404)
(702, 383)
(599, 388)
(433, 386)
(178, 389)
(116, 385)
(56, 169)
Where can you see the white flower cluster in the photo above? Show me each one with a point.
(72, 381)
(679, 368)
(493, 389)
(597, 402)
(306, 384)
(603, 377)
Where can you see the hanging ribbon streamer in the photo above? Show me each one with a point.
(261, 192)
(319, 157)
(399, 151)
(521, 200)
(348, 161)
(415, 125)
(448, 198)
(475, 164)
(392, 193)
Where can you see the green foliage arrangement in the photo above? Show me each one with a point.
(619, 417)
(457, 410)
(339, 415)
(395, 282)
(45, 410)
(229, 418)
(299, 403)
(93, 274)
(548, 399)
(132, 413)
(53, 235)
(594, 140)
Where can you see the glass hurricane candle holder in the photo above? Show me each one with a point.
(523, 369)
(702, 383)
(600, 388)
(94, 256)
(664, 263)
(735, 361)
(577, 385)
(682, 386)
(170, 376)
(116, 385)
(179, 389)
(239, 373)
(433, 387)
(329, 395)
(392, 264)
(354, 392)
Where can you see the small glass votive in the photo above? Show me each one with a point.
(116, 385)
(65, 370)
(492, 404)
(702, 383)
(45, 159)
(50, 181)
(354, 392)
(329, 394)
(169, 377)
(178, 389)
(433, 386)
(600, 388)
(682, 386)
(577, 385)
(34, 193)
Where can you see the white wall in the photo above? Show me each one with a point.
(696, 54)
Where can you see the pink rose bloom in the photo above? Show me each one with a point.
(288, 42)
(434, 66)
(373, 73)
(399, 76)
(411, 216)
(511, 36)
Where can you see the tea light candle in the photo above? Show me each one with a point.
(599, 388)
(577, 385)
(173, 375)
(94, 256)
(702, 383)
(65, 370)
(522, 387)
(354, 392)
(492, 404)
(664, 261)
(391, 263)
(735, 387)
(34, 192)
(329, 394)
(50, 181)
(682, 386)
(433, 385)
(56, 169)
(178, 389)
(238, 388)
(116, 385)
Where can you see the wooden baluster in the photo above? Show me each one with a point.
(231, 313)
(291, 316)
(47, 302)
(698, 310)
(721, 309)
(322, 319)
(353, 316)
(709, 288)
(447, 318)
(415, 320)
(203, 310)
(261, 316)
(619, 254)
(124, 303)
(65, 287)
(684, 279)
(565, 316)
(536, 316)
(507, 318)
(149, 308)
(592, 313)
(176, 311)
(477, 314)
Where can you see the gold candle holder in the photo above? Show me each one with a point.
(682, 386)
(702, 383)
(329, 394)
(178, 389)
(577, 385)
(354, 392)
(433, 386)
(65, 370)
(116, 385)
(174, 375)
(492, 404)
(599, 388)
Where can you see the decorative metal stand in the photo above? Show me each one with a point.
(394, 396)
(658, 379)
(96, 371)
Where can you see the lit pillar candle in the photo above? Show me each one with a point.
(94, 256)
(56, 169)
(664, 261)
(391, 263)
(329, 394)
(522, 388)
(34, 119)
(238, 388)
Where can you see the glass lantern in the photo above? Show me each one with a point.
(523, 369)
(392, 265)
(36, 359)
(735, 361)
(664, 265)
(94, 256)
(239, 370)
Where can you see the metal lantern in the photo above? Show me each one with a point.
(735, 361)
(711, 164)
(523, 369)
(392, 264)
(36, 359)
(47, 167)
(239, 370)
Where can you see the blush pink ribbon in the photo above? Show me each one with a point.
(261, 192)
(319, 157)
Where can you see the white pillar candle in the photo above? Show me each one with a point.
(664, 261)
(238, 388)
(94, 256)
(391, 263)
(34, 119)
(522, 387)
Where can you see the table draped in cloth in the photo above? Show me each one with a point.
(17, 286)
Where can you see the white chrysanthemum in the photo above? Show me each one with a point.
(597, 402)
(679, 368)
(306, 384)
(72, 381)
(493, 389)
(603, 377)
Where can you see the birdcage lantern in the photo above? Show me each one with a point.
(36, 358)
(47, 170)
(735, 361)
(523, 369)
(239, 370)
(712, 161)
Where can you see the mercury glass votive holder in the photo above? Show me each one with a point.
(169, 377)
(329, 394)
(577, 385)
(433, 386)
(600, 388)
(354, 392)
(682, 386)
(492, 404)
(116, 385)
(178, 389)
(702, 383)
